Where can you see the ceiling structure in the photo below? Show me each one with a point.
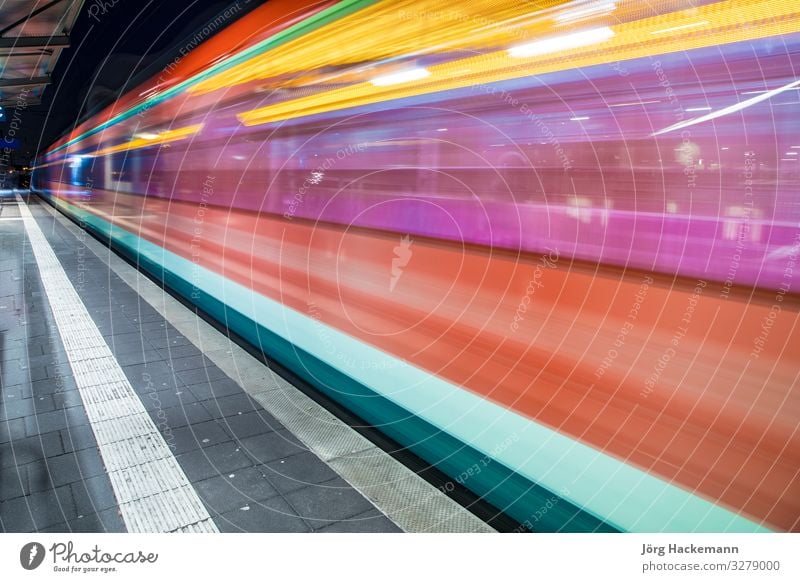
(32, 35)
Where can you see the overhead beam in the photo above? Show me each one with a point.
(32, 82)
(33, 53)
(19, 42)
(33, 13)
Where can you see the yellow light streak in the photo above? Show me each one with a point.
(393, 28)
(725, 22)
(168, 136)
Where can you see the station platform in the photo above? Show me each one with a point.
(123, 410)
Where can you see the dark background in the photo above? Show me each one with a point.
(104, 57)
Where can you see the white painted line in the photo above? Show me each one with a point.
(152, 491)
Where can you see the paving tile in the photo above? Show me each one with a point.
(75, 438)
(135, 340)
(12, 430)
(271, 515)
(56, 420)
(16, 375)
(190, 363)
(108, 521)
(157, 327)
(65, 469)
(234, 490)
(370, 522)
(170, 338)
(52, 386)
(332, 501)
(141, 312)
(131, 357)
(231, 405)
(243, 426)
(11, 393)
(147, 382)
(58, 370)
(221, 459)
(197, 436)
(169, 398)
(46, 346)
(93, 495)
(201, 375)
(155, 369)
(13, 483)
(38, 510)
(178, 416)
(14, 354)
(272, 445)
(28, 450)
(216, 389)
(117, 326)
(172, 352)
(297, 471)
(17, 409)
(44, 360)
(66, 399)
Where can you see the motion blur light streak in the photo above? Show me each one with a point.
(315, 12)
(628, 42)
(583, 10)
(401, 77)
(148, 139)
(683, 26)
(562, 43)
(730, 109)
(537, 264)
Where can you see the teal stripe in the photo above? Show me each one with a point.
(306, 26)
(592, 490)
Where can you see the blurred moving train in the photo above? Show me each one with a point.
(550, 247)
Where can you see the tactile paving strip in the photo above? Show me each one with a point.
(153, 492)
